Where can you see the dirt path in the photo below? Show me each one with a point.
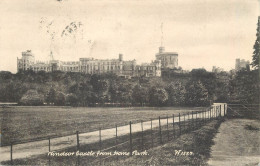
(237, 143)
(27, 150)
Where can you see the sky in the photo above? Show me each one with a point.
(204, 33)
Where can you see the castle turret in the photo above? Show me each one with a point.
(120, 57)
(161, 49)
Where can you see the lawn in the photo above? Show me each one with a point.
(237, 139)
(197, 140)
(21, 124)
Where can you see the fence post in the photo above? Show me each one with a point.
(188, 126)
(142, 135)
(200, 118)
(116, 136)
(213, 112)
(173, 126)
(184, 123)
(215, 108)
(210, 113)
(224, 109)
(180, 122)
(192, 120)
(77, 133)
(217, 112)
(160, 130)
(196, 120)
(168, 129)
(130, 124)
(11, 153)
(100, 145)
(116, 142)
(100, 140)
(205, 116)
(152, 131)
(220, 110)
(49, 150)
(49, 144)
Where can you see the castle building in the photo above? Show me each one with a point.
(90, 66)
(217, 69)
(26, 61)
(169, 60)
(149, 69)
(241, 64)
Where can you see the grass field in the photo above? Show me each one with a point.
(197, 140)
(20, 124)
(237, 143)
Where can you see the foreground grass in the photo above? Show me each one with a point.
(238, 139)
(198, 141)
(22, 124)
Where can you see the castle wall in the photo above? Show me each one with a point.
(92, 66)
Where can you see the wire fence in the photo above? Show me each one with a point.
(141, 135)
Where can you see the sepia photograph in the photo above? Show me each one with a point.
(129, 82)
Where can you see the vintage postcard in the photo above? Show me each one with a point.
(129, 82)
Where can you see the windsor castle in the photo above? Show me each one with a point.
(164, 60)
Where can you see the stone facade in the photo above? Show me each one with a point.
(169, 60)
(91, 66)
(217, 69)
(26, 61)
(241, 64)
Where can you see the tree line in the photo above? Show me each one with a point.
(198, 88)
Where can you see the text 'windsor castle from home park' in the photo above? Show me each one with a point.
(164, 60)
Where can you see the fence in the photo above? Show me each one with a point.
(250, 111)
(141, 135)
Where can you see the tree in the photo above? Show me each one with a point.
(50, 98)
(100, 87)
(197, 94)
(222, 92)
(140, 95)
(86, 95)
(176, 92)
(32, 97)
(157, 96)
(71, 99)
(256, 53)
(245, 87)
(208, 79)
(59, 98)
(113, 91)
(120, 92)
